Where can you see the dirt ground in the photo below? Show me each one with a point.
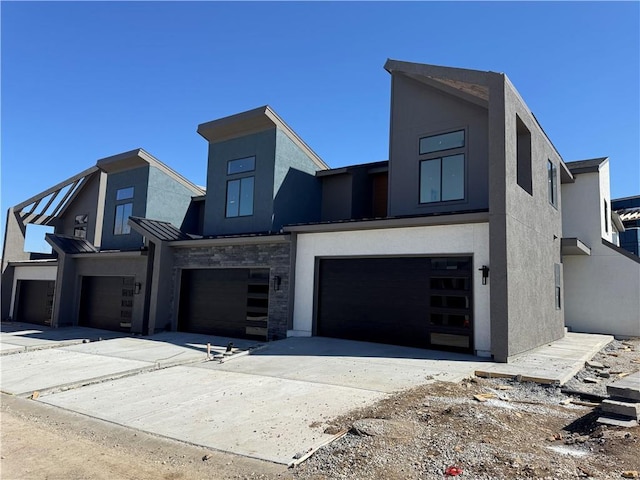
(524, 431)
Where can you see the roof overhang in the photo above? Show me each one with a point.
(254, 121)
(573, 246)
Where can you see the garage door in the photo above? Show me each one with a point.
(413, 301)
(34, 301)
(230, 302)
(107, 303)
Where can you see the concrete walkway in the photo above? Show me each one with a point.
(555, 363)
(271, 404)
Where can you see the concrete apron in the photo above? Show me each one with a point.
(269, 405)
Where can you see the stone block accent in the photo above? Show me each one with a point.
(275, 256)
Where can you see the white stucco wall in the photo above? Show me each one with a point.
(471, 239)
(601, 290)
(31, 272)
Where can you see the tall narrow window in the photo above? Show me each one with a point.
(442, 176)
(556, 271)
(123, 212)
(606, 217)
(240, 197)
(523, 156)
(552, 179)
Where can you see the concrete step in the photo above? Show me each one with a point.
(627, 388)
(617, 422)
(621, 407)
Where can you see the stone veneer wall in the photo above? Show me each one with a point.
(275, 256)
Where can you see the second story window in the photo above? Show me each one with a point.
(442, 166)
(552, 179)
(80, 226)
(123, 211)
(240, 187)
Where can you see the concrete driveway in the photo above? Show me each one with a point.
(270, 405)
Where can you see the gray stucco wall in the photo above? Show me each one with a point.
(525, 233)
(418, 110)
(262, 145)
(297, 191)
(86, 202)
(167, 199)
(275, 256)
(337, 193)
(139, 179)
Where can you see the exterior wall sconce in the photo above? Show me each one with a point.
(137, 288)
(485, 274)
(277, 280)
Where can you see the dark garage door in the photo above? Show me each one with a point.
(413, 301)
(230, 302)
(34, 301)
(107, 303)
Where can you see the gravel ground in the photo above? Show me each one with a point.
(520, 430)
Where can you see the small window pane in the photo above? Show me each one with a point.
(246, 196)
(552, 174)
(241, 165)
(430, 181)
(124, 193)
(446, 141)
(81, 219)
(233, 198)
(453, 178)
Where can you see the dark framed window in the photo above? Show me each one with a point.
(123, 212)
(523, 156)
(442, 142)
(241, 165)
(606, 217)
(124, 193)
(552, 179)
(80, 225)
(240, 197)
(558, 292)
(442, 177)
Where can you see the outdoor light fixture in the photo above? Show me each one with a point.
(485, 274)
(276, 283)
(137, 288)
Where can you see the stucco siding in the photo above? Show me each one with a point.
(418, 110)
(531, 237)
(468, 239)
(167, 199)
(137, 178)
(262, 145)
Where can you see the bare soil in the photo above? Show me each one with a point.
(525, 431)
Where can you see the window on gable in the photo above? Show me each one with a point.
(552, 180)
(80, 225)
(523, 156)
(442, 176)
(241, 165)
(123, 212)
(124, 193)
(606, 217)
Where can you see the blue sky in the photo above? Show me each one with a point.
(86, 80)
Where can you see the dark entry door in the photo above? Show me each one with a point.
(107, 303)
(413, 301)
(34, 301)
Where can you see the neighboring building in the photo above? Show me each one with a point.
(628, 211)
(456, 242)
(97, 273)
(602, 280)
